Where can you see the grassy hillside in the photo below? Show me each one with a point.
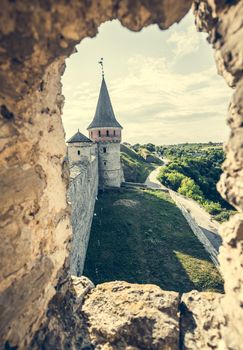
(194, 170)
(141, 237)
(135, 168)
(148, 156)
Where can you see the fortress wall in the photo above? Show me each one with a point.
(35, 40)
(35, 218)
(82, 195)
(198, 232)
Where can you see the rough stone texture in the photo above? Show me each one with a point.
(231, 261)
(121, 315)
(35, 33)
(114, 315)
(224, 23)
(82, 193)
(201, 321)
(65, 327)
(35, 225)
(35, 37)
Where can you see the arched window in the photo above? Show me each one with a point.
(114, 132)
(78, 152)
(99, 133)
(104, 149)
(104, 163)
(107, 132)
(91, 133)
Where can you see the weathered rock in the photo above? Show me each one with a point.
(35, 218)
(231, 261)
(65, 326)
(201, 321)
(115, 315)
(27, 292)
(35, 39)
(120, 315)
(223, 21)
(35, 34)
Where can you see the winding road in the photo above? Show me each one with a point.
(152, 181)
(202, 218)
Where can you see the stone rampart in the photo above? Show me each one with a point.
(196, 229)
(82, 195)
(36, 37)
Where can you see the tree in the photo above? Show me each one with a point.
(201, 165)
(174, 180)
(190, 189)
(212, 208)
(150, 147)
(160, 150)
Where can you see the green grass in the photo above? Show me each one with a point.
(145, 153)
(141, 237)
(135, 167)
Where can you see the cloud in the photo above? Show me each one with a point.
(155, 89)
(185, 42)
(154, 102)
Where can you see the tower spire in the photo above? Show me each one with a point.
(104, 114)
(101, 62)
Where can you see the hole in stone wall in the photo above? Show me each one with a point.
(166, 94)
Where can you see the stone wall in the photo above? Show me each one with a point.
(83, 192)
(198, 232)
(35, 217)
(36, 37)
(119, 315)
(223, 21)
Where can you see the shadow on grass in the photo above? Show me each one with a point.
(142, 237)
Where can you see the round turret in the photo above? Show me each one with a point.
(79, 148)
(106, 132)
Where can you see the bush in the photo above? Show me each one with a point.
(224, 215)
(212, 208)
(150, 147)
(174, 179)
(194, 171)
(171, 179)
(190, 189)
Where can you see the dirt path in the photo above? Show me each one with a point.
(202, 218)
(152, 181)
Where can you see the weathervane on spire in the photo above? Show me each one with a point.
(102, 66)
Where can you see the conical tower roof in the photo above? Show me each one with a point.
(78, 137)
(104, 115)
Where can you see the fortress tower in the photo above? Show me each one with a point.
(80, 148)
(106, 132)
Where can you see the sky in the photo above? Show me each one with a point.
(163, 85)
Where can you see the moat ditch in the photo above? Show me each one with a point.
(140, 236)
